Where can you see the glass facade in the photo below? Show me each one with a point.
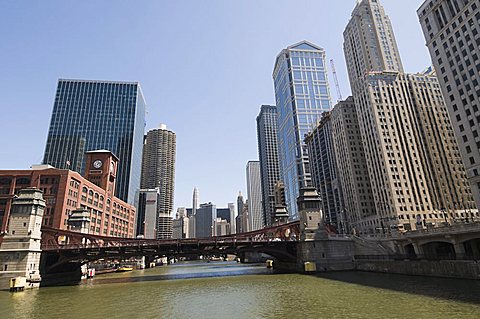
(268, 155)
(302, 95)
(93, 115)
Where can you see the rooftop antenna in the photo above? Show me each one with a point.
(337, 86)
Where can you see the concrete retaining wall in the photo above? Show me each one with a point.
(337, 255)
(328, 255)
(444, 268)
(5, 278)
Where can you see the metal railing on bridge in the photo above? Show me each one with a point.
(58, 239)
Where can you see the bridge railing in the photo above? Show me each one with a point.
(55, 239)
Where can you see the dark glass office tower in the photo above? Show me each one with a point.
(92, 115)
(268, 156)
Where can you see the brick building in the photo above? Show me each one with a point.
(65, 190)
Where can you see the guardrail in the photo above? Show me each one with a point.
(457, 227)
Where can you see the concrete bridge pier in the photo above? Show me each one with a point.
(316, 251)
(149, 261)
(412, 250)
(459, 249)
(142, 263)
(20, 246)
(474, 248)
(67, 274)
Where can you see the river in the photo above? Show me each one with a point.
(231, 290)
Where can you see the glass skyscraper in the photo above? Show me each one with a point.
(92, 115)
(302, 95)
(268, 156)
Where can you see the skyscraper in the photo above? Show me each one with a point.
(240, 202)
(181, 224)
(359, 211)
(146, 204)
(90, 115)
(302, 95)
(204, 219)
(401, 117)
(240, 225)
(233, 223)
(192, 222)
(323, 167)
(268, 156)
(195, 201)
(370, 29)
(224, 213)
(164, 226)
(254, 194)
(158, 165)
(451, 31)
(158, 171)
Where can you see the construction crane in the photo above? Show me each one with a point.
(337, 86)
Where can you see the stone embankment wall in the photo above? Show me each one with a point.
(339, 254)
(443, 268)
(328, 255)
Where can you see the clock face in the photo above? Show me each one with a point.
(111, 167)
(97, 164)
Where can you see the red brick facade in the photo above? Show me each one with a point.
(66, 190)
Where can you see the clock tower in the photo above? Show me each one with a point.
(101, 169)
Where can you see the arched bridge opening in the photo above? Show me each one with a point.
(439, 250)
(472, 248)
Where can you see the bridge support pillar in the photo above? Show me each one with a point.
(20, 248)
(459, 249)
(476, 250)
(142, 263)
(148, 261)
(418, 249)
(312, 224)
(79, 221)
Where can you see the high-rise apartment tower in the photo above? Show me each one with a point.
(158, 171)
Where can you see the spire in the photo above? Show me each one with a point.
(195, 201)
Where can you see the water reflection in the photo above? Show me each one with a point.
(445, 288)
(230, 290)
(182, 271)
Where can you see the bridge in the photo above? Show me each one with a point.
(454, 242)
(64, 250)
(55, 256)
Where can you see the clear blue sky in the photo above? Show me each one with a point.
(205, 68)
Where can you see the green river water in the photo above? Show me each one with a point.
(231, 290)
